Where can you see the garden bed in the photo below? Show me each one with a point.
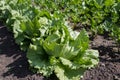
(14, 65)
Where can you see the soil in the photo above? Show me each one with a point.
(14, 65)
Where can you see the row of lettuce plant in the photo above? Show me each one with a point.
(101, 15)
(50, 43)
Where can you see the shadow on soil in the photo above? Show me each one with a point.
(114, 56)
(19, 66)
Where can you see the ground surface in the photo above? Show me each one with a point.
(14, 66)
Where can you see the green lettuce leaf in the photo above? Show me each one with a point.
(64, 73)
(39, 60)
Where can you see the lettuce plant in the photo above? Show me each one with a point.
(62, 51)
